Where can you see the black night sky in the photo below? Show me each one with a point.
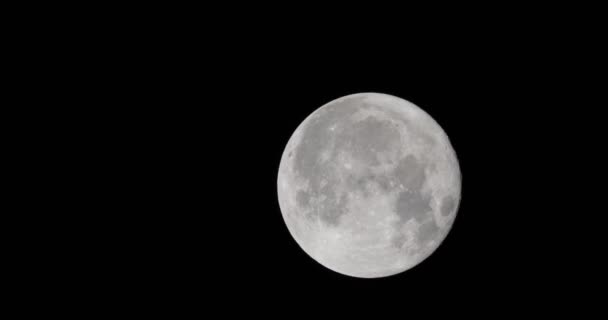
(197, 129)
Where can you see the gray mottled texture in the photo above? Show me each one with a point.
(370, 148)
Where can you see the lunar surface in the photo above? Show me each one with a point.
(369, 185)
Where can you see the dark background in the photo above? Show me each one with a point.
(214, 225)
(175, 128)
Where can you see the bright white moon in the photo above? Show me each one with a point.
(369, 185)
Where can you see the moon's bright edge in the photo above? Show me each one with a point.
(369, 185)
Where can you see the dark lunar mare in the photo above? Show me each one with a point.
(364, 139)
(412, 203)
(307, 165)
(447, 205)
(361, 140)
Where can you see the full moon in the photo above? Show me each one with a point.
(369, 185)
